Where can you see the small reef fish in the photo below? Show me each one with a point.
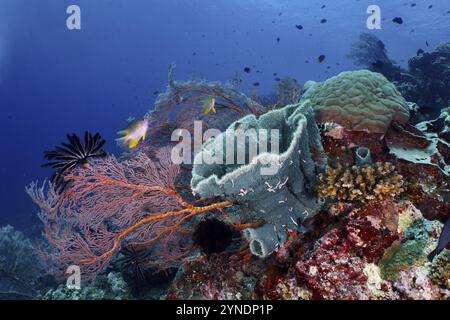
(208, 106)
(135, 131)
(444, 240)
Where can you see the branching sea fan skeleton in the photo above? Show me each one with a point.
(109, 204)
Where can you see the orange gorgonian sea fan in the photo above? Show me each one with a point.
(109, 204)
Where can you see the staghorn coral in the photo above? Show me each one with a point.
(111, 203)
(359, 101)
(365, 183)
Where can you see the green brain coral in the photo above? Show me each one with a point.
(359, 101)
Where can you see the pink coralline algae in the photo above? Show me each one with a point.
(331, 271)
(373, 229)
(335, 268)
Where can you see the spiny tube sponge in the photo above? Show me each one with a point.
(282, 197)
(360, 183)
(359, 101)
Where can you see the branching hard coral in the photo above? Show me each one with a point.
(111, 203)
(366, 183)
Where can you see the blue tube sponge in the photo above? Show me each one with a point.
(278, 184)
(265, 240)
(362, 156)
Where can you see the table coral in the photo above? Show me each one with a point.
(359, 101)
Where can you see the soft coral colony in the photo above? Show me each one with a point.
(349, 214)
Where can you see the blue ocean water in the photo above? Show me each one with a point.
(54, 80)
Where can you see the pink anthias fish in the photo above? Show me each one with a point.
(135, 131)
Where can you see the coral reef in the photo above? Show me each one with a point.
(20, 269)
(359, 101)
(431, 77)
(360, 183)
(333, 187)
(370, 53)
(220, 277)
(289, 92)
(425, 83)
(111, 287)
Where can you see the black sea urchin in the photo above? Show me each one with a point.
(212, 236)
(133, 261)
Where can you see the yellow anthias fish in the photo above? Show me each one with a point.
(208, 106)
(135, 131)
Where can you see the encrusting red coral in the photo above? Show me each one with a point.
(336, 266)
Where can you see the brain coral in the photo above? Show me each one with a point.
(359, 101)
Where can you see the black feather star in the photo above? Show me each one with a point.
(68, 155)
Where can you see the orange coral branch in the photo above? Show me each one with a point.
(254, 225)
(117, 242)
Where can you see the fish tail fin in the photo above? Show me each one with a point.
(123, 132)
(432, 254)
(134, 143)
(122, 138)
